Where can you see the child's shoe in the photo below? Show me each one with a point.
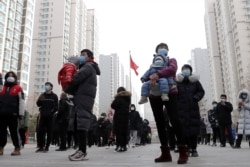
(164, 97)
(143, 100)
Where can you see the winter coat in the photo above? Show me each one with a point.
(224, 113)
(134, 120)
(244, 114)
(190, 92)
(11, 100)
(48, 104)
(208, 125)
(121, 106)
(85, 82)
(212, 118)
(169, 71)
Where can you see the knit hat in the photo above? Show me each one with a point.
(74, 60)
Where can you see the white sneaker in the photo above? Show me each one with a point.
(164, 97)
(78, 156)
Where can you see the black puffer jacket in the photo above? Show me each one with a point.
(85, 82)
(224, 113)
(190, 92)
(121, 105)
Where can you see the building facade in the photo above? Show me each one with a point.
(16, 28)
(227, 28)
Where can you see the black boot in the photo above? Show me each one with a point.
(165, 155)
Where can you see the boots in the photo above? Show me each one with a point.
(183, 155)
(16, 151)
(165, 155)
(1, 150)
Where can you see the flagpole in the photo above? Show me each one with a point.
(130, 72)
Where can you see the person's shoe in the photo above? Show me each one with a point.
(183, 154)
(1, 150)
(165, 155)
(236, 147)
(39, 150)
(78, 156)
(143, 100)
(222, 145)
(61, 149)
(194, 153)
(46, 149)
(164, 97)
(214, 145)
(116, 149)
(16, 151)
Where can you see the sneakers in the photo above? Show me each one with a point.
(122, 149)
(78, 156)
(164, 97)
(46, 149)
(214, 145)
(39, 150)
(61, 149)
(236, 147)
(143, 100)
(194, 153)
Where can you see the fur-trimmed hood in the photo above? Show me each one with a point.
(123, 93)
(241, 92)
(192, 78)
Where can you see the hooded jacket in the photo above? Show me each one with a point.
(244, 114)
(121, 105)
(84, 83)
(190, 92)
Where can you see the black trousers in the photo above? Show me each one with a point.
(82, 138)
(10, 122)
(63, 126)
(226, 131)
(44, 132)
(172, 110)
(216, 134)
(22, 132)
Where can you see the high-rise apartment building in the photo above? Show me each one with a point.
(59, 32)
(16, 28)
(109, 80)
(198, 58)
(228, 39)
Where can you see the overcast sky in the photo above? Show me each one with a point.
(139, 25)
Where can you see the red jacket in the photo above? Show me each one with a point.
(66, 73)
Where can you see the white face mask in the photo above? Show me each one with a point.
(11, 79)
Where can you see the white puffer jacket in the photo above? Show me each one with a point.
(244, 114)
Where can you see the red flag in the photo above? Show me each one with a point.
(133, 65)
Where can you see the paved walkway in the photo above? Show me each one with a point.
(135, 157)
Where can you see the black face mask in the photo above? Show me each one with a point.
(243, 96)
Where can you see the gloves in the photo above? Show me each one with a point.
(142, 80)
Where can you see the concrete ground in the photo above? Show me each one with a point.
(142, 156)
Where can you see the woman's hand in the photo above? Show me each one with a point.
(153, 78)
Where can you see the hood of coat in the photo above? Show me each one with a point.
(124, 93)
(192, 78)
(241, 92)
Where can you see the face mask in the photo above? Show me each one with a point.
(186, 73)
(82, 59)
(11, 79)
(223, 100)
(162, 51)
(47, 88)
(132, 108)
(214, 105)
